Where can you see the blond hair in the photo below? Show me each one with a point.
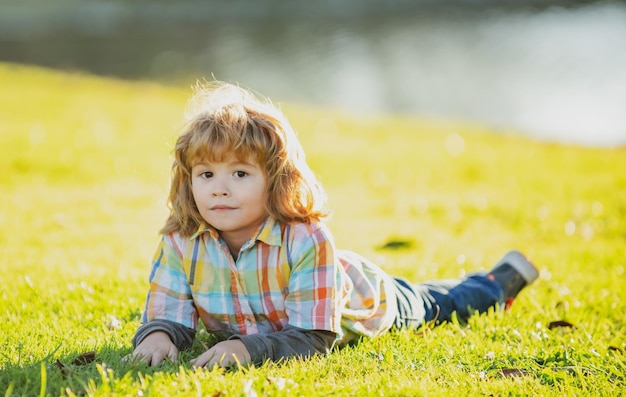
(226, 120)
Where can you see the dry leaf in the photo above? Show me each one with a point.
(615, 349)
(512, 372)
(397, 244)
(560, 324)
(85, 358)
(65, 370)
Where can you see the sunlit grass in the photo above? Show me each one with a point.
(85, 170)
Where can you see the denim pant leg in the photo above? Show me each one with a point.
(421, 303)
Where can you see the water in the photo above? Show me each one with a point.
(557, 73)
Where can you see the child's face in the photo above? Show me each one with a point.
(231, 196)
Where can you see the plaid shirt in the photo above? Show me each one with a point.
(290, 274)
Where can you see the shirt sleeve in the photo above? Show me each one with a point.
(313, 301)
(169, 297)
(181, 336)
(289, 342)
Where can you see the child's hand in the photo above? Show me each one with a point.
(223, 354)
(154, 348)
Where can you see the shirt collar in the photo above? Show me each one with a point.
(269, 232)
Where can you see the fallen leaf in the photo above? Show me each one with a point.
(562, 306)
(512, 372)
(397, 244)
(560, 324)
(65, 370)
(85, 358)
(615, 349)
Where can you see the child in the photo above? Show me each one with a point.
(245, 251)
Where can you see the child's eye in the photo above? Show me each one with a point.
(206, 174)
(240, 174)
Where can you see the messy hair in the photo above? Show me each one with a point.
(225, 120)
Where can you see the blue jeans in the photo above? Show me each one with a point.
(424, 302)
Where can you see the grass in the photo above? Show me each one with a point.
(86, 166)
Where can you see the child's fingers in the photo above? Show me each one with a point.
(172, 354)
(137, 357)
(199, 361)
(203, 359)
(150, 358)
(133, 358)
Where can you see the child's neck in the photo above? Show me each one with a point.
(237, 238)
(234, 243)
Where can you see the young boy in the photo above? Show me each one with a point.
(245, 250)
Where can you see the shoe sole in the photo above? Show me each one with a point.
(521, 264)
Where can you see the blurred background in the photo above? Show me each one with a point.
(553, 70)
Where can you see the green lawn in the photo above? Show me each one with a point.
(85, 174)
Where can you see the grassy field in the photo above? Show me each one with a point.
(85, 173)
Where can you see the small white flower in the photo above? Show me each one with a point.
(113, 323)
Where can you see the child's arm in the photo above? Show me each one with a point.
(290, 342)
(169, 306)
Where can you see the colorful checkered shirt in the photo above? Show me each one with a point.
(285, 274)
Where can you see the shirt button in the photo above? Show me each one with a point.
(248, 322)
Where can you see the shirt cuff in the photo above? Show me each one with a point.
(181, 336)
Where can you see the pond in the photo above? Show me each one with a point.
(554, 73)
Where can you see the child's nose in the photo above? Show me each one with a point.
(220, 188)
